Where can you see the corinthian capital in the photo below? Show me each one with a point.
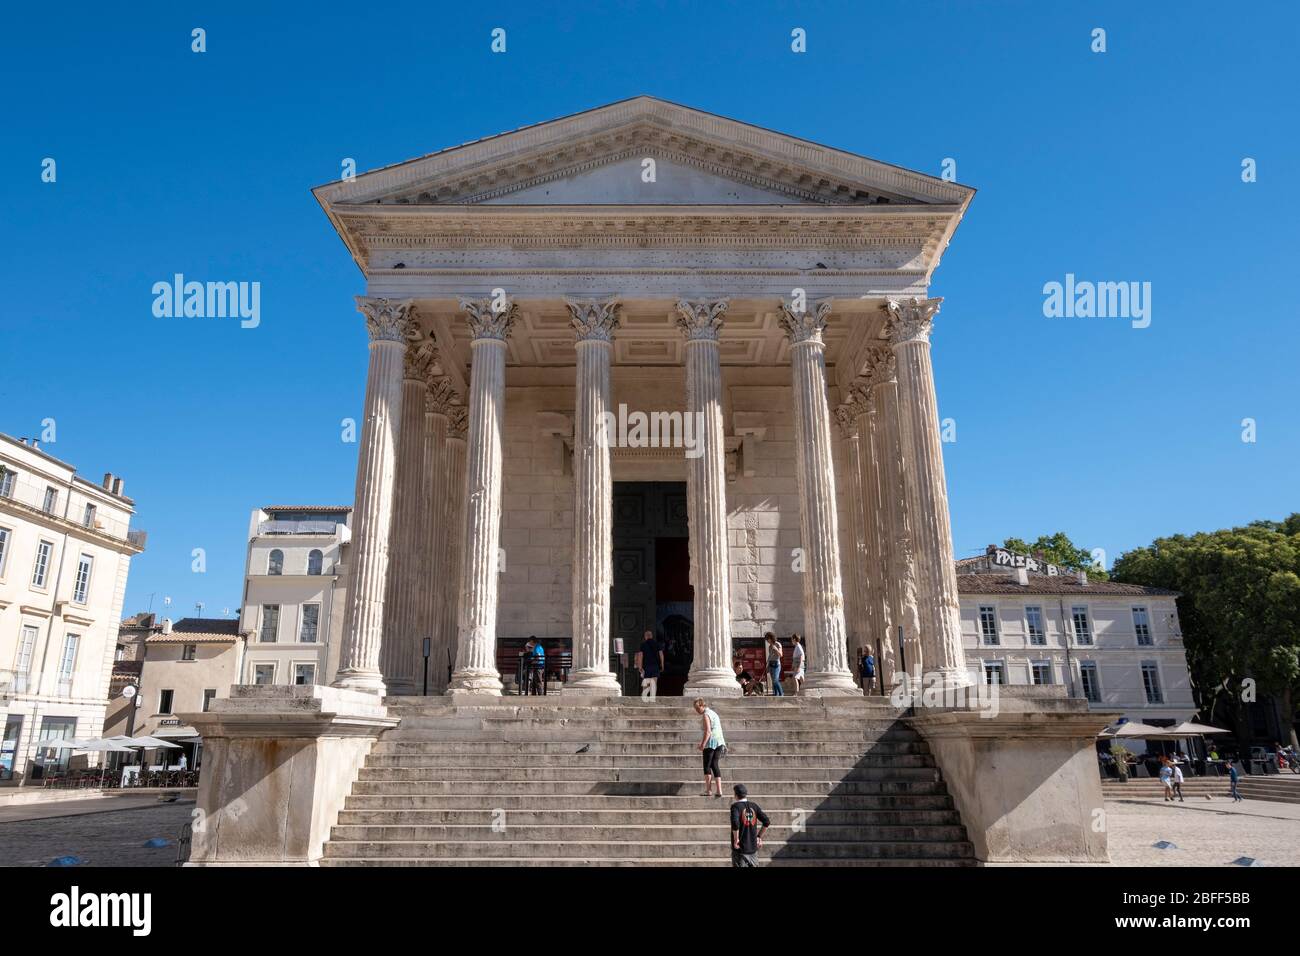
(879, 366)
(593, 321)
(700, 320)
(421, 355)
(847, 419)
(804, 326)
(458, 423)
(440, 399)
(389, 320)
(910, 319)
(490, 318)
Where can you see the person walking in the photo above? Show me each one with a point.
(798, 655)
(713, 746)
(774, 663)
(748, 824)
(1167, 779)
(650, 662)
(1232, 782)
(1178, 781)
(867, 670)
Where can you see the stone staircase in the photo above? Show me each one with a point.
(502, 784)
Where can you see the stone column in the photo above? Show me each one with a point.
(476, 633)
(706, 504)
(908, 330)
(436, 562)
(403, 590)
(391, 324)
(454, 521)
(823, 603)
(593, 489)
(860, 631)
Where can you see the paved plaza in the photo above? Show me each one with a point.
(108, 831)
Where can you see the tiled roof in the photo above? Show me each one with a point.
(1062, 584)
(199, 630)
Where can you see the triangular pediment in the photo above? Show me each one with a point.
(599, 157)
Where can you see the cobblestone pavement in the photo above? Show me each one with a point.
(1204, 832)
(109, 837)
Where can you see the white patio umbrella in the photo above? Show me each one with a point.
(154, 743)
(1135, 728)
(103, 745)
(1190, 728)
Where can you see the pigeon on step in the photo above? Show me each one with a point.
(583, 749)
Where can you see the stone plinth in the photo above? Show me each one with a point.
(1023, 776)
(278, 762)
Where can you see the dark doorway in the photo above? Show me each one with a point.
(652, 578)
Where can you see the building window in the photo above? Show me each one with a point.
(989, 624)
(263, 673)
(208, 695)
(1151, 682)
(51, 757)
(82, 586)
(9, 745)
(4, 549)
(6, 482)
(89, 519)
(1142, 626)
(270, 623)
(51, 501)
(304, 674)
(1034, 626)
(165, 698)
(994, 672)
(190, 652)
(275, 562)
(310, 623)
(23, 663)
(315, 561)
(68, 664)
(120, 653)
(41, 569)
(1082, 629)
(1041, 671)
(1091, 681)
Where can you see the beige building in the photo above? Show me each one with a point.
(1117, 645)
(65, 549)
(294, 584)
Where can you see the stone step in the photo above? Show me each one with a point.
(801, 849)
(752, 774)
(736, 747)
(772, 802)
(763, 860)
(593, 816)
(616, 835)
(501, 724)
(528, 784)
(404, 706)
(735, 761)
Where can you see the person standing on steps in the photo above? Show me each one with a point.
(650, 662)
(797, 653)
(774, 663)
(713, 746)
(748, 824)
(868, 670)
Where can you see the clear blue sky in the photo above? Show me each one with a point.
(1117, 166)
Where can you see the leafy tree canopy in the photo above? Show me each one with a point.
(1058, 549)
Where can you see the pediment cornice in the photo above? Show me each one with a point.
(491, 168)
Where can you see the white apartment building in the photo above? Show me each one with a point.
(65, 548)
(1118, 645)
(293, 593)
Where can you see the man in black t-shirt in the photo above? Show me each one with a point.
(650, 662)
(748, 824)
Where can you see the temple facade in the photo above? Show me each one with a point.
(641, 368)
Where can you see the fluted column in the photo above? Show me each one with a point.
(476, 672)
(897, 553)
(435, 561)
(908, 328)
(706, 504)
(402, 593)
(823, 602)
(853, 556)
(390, 324)
(593, 489)
(454, 521)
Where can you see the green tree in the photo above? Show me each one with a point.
(1058, 549)
(1240, 613)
